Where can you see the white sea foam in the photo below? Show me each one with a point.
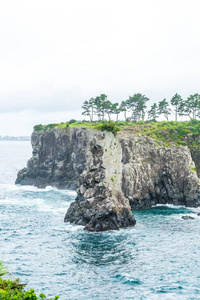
(71, 193)
(30, 188)
(45, 207)
(170, 206)
(19, 201)
(178, 207)
(73, 227)
(14, 187)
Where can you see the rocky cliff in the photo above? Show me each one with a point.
(156, 174)
(111, 174)
(59, 157)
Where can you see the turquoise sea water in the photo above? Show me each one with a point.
(157, 259)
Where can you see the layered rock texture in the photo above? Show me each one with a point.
(111, 174)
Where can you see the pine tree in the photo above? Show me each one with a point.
(116, 110)
(153, 112)
(191, 106)
(124, 108)
(108, 108)
(163, 108)
(177, 102)
(88, 108)
(137, 104)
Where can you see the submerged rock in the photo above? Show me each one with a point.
(188, 218)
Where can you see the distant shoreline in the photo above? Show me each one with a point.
(15, 138)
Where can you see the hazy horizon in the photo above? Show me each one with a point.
(56, 55)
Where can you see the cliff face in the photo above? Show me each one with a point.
(193, 143)
(58, 159)
(111, 173)
(155, 174)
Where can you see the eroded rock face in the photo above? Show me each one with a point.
(155, 174)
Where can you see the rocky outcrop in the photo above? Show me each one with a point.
(111, 173)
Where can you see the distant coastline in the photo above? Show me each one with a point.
(15, 138)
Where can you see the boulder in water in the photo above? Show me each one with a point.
(187, 218)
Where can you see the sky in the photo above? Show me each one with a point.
(55, 54)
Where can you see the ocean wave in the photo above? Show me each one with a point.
(30, 188)
(170, 206)
(73, 227)
(127, 279)
(177, 207)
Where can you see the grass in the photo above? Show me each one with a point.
(176, 132)
(168, 131)
(165, 131)
(62, 125)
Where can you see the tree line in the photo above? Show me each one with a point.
(101, 108)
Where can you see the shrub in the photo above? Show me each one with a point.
(108, 126)
(38, 127)
(72, 121)
(193, 122)
(51, 126)
(13, 289)
(121, 123)
(141, 122)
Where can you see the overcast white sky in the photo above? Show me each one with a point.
(55, 54)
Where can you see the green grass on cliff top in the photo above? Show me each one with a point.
(165, 131)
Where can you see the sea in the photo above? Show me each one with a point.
(159, 258)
